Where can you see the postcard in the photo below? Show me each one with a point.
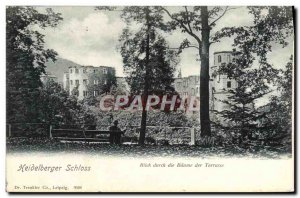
(150, 99)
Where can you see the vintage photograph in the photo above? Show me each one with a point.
(139, 88)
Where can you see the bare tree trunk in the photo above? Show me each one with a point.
(143, 127)
(204, 75)
(146, 85)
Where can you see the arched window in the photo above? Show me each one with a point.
(219, 58)
(228, 58)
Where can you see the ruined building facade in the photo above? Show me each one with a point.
(79, 77)
(219, 84)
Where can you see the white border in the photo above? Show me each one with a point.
(3, 3)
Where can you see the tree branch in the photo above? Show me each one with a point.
(190, 46)
(186, 10)
(226, 9)
(212, 42)
(182, 25)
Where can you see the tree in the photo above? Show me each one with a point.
(148, 62)
(279, 109)
(198, 24)
(26, 56)
(57, 107)
(271, 25)
(146, 57)
(241, 116)
(270, 122)
(286, 87)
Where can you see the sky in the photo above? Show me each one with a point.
(90, 37)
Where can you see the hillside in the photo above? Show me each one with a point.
(58, 67)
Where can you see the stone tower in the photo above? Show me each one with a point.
(220, 84)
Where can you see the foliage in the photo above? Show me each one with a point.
(272, 24)
(26, 56)
(58, 108)
(279, 110)
(28, 100)
(197, 22)
(255, 78)
(160, 125)
(162, 61)
(148, 61)
(189, 21)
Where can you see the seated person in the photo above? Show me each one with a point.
(115, 133)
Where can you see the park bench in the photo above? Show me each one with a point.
(80, 135)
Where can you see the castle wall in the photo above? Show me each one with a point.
(219, 85)
(188, 86)
(81, 77)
